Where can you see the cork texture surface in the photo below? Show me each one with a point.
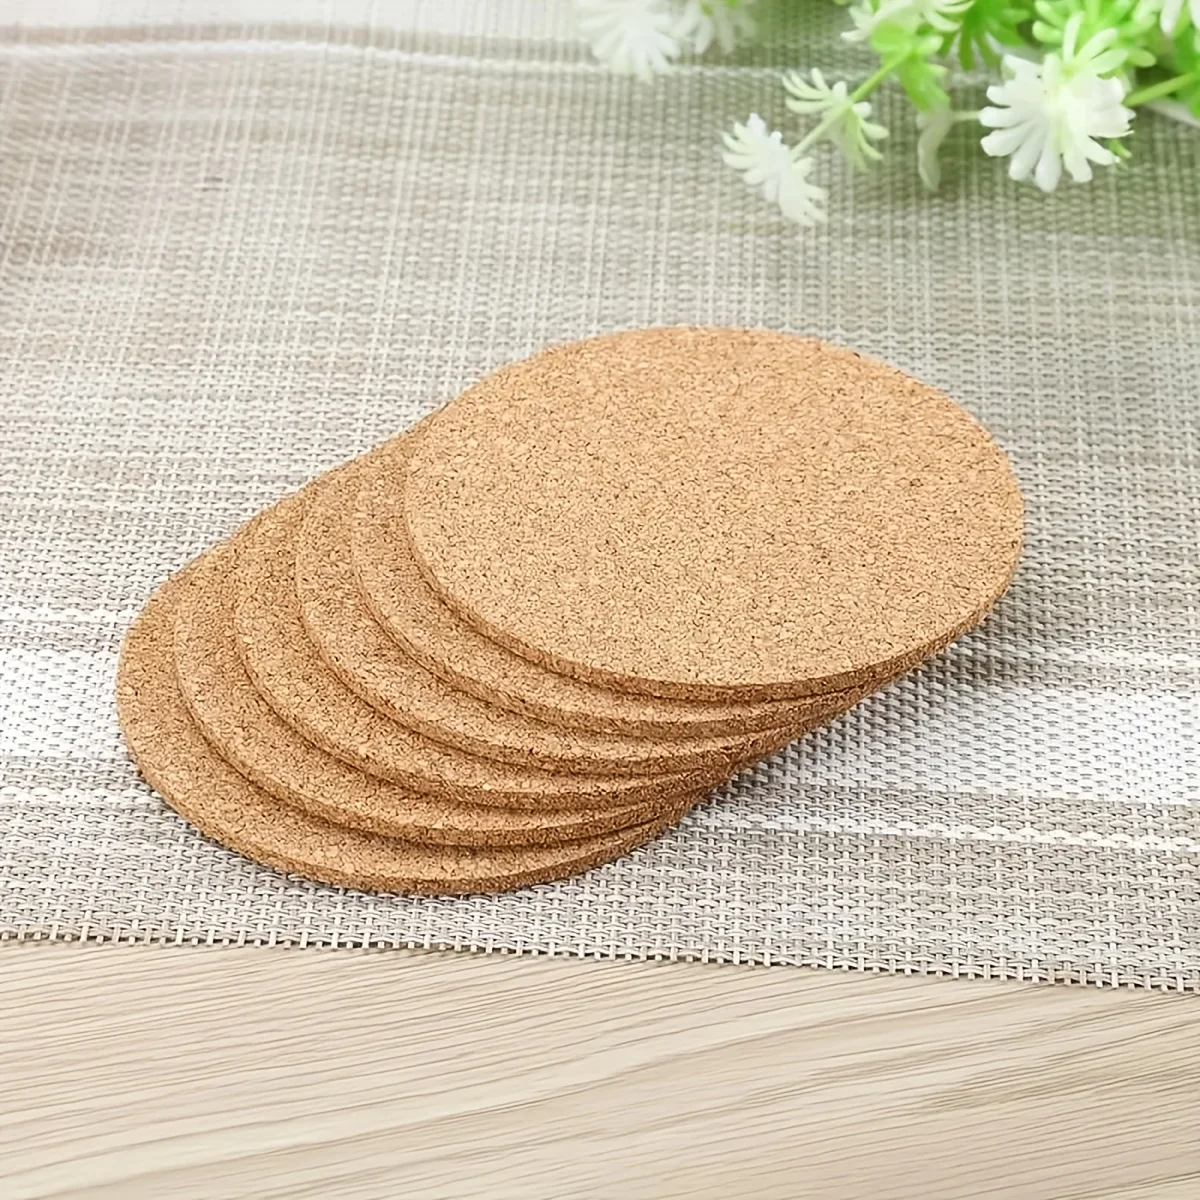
(179, 763)
(295, 680)
(247, 733)
(712, 513)
(342, 624)
(431, 632)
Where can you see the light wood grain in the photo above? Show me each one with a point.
(146, 1072)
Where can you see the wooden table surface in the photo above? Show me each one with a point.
(219, 1074)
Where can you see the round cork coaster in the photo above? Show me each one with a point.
(362, 654)
(248, 734)
(294, 679)
(176, 760)
(433, 634)
(712, 513)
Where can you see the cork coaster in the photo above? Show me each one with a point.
(292, 677)
(248, 734)
(369, 661)
(176, 760)
(433, 634)
(712, 514)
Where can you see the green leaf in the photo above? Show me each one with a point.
(986, 25)
(1132, 23)
(1184, 59)
(1048, 35)
(921, 81)
(890, 40)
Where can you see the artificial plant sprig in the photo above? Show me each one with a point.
(1050, 115)
(1072, 76)
(781, 172)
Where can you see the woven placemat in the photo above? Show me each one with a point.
(234, 255)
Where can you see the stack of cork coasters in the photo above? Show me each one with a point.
(526, 636)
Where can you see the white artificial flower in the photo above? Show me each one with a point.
(816, 96)
(945, 16)
(631, 37)
(1172, 10)
(726, 22)
(778, 171)
(934, 127)
(1052, 112)
(845, 123)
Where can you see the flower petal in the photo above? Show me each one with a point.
(1000, 118)
(1094, 152)
(1004, 141)
(1049, 170)
(1027, 154)
(1110, 123)
(1169, 17)
(1077, 165)
(1102, 64)
(803, 107)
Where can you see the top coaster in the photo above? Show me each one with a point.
(441, 641)
(712, 513)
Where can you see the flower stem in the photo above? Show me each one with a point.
(869, 84)
(1156, 91)
(863, 90)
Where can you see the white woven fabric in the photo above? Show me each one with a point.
(235, 254)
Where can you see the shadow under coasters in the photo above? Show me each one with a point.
(712, 513)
